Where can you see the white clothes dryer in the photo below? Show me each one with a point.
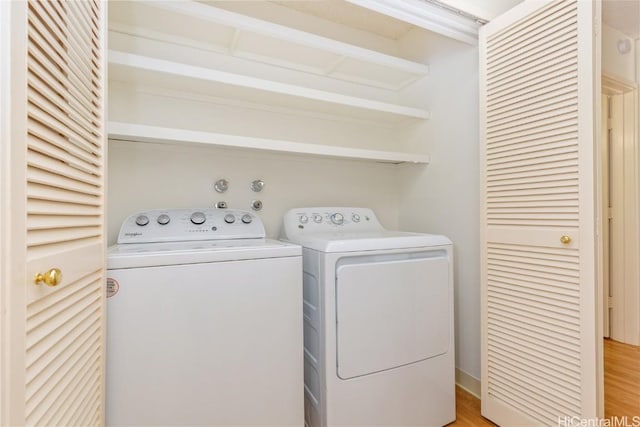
(378, 321)
(204, 322)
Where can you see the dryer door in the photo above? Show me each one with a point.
(391, 312)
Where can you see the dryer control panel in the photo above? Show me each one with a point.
(181, 225)
(328, 219)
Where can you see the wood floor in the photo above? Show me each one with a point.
(621, 380)
(468, 411)
(621, 388)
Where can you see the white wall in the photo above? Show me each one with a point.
(444, 197)
(613, 62)
(147, 176)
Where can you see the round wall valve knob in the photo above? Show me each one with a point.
(257, 185)
(221, 185)
(565, 240)
(51, 278)
(256, 205)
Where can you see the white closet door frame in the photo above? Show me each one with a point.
(12, 126)
(529, 232)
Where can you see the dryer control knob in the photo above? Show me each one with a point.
(337, 218)
(246, 218)
(355, 217)
(164, 219)
(304, 219)
(317, 218)
(198, 218)
(142, 220)
(229, 218)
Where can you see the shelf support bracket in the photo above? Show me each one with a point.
(335, 64)
(234, 41)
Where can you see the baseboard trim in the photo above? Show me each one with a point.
(468, 383)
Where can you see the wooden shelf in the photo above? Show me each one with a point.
(247, 37)
(144, 133)
(144, 70)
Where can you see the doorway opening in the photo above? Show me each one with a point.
(620, 210)
(621, 302)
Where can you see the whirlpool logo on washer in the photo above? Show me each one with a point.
(137, 233)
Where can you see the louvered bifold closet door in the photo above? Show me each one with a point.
(64, 343)
(537, 229)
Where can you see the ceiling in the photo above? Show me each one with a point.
(623, 15)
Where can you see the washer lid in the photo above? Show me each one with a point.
(136, 255)
(368, 241)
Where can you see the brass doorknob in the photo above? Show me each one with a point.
(51, 278)
(565, 240)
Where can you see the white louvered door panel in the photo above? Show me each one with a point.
(537, 160)
(58, 184)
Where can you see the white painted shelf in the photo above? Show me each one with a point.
(144, 133)
(243, 36)
(145, 70)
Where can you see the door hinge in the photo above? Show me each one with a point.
(610, 302)
(610, 213)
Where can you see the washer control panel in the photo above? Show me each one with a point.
(330, 219)
(179, 225)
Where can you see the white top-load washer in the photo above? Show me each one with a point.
(203, 322)
(378, 321)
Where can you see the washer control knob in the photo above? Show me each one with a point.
(246, 218)
(142, 220)
(317, 218)
(164, 219)
(355, 217)
(198, 218)
(229, 218)
(337, 218)
(304, 219)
